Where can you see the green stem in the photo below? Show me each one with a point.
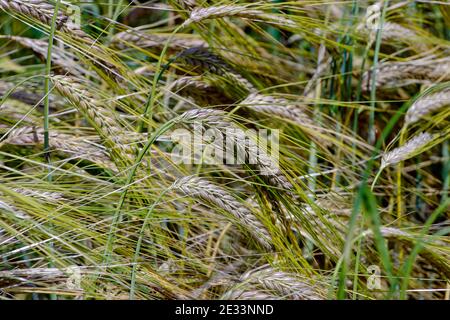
(148, 110)
(48, 68)
(139, 244)
(346, 257)
(373, 89)
(375, 179)
(113, 14)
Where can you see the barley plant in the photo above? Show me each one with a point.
(133, 164)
